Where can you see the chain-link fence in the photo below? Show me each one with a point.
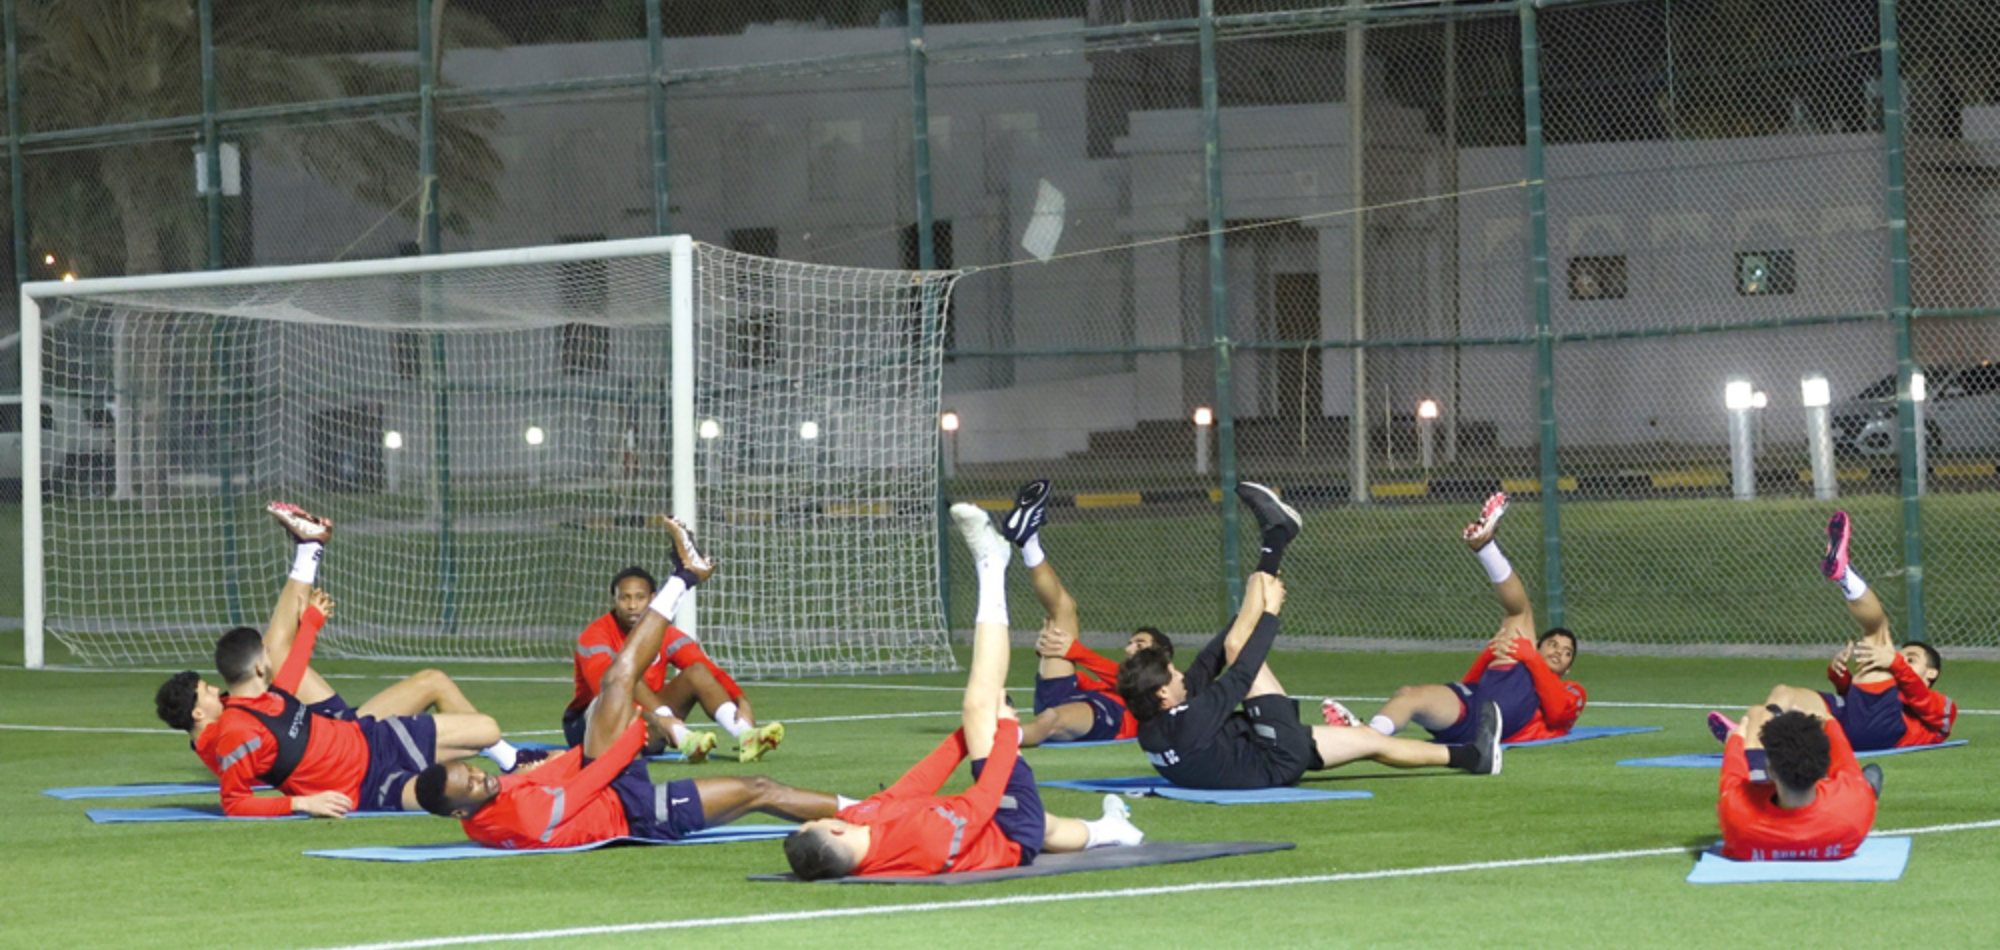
(1387, 256)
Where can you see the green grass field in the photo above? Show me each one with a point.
(71, 883)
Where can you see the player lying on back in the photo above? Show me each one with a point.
(1071, 704)
(911, 830)
(1195, 734)
(601, 790)
(1521, 675)
(664, 703)
(326, 762)
(1887, 699)
(1817, 804)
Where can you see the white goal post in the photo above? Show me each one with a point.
(495, 434)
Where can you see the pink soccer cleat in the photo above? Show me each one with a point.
(1721, 726)
(1479, 533)
(1336, 714)
(1838, 533)
(303, 525)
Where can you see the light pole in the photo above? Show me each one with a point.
(1427, 417)
(392, 441)
(1738, 397)
(534, 437)
(949, 424)
(1204, 419)
(1817, 395)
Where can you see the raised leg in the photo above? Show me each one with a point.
(727, 798)
(1431, 706)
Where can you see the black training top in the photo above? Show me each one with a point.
(1206, 742)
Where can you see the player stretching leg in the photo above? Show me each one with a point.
(1819, 803)
(1525, 681)
(601, 789)
(1071, 705)
(909, 830)
(1195, 735)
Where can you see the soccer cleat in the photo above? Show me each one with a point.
(1838, 533)
(1031, 506)
(1270, 512)
(986, 544)
(698, 746)
(303, 525)
(1721, 726)
(1115, 829)
(687, 558)
(527, 760)
(1872, 774)
(760, 741)
(1486, 745)
(1480, 532)
(1336, 714)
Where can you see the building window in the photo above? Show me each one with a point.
(1766, 273)
(1597, 278)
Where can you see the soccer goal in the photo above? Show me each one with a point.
(495, 435)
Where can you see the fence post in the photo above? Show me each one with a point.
(17, 177)
(656, 117)
(1899, 304)
(920, 188)
(1545, 343)
(1218, 306)
(431, 242)
(211, 156)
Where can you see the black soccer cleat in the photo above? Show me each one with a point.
(1486, 745)
(1872, 774)
(1270, 512)
(1031, 507)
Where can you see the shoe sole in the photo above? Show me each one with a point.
(1023, 505)
(1839, 532)
(1489, 516)
(977, 529)
(1499, 734)
(1720, 727)
(685, 551)
(1264, 497)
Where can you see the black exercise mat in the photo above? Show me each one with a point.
(1099, 859)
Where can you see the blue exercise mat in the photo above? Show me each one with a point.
(1085, 745)
(137, 790)
(455, 850)
(115, 816)
(1713, 760)
(668, 756)
(1161, 788)
(1878, 859)
(1581, 733)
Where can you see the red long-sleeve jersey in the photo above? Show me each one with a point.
(598, 645)
(1928, 715)
(914, 832)
(560, 803)
(1561, 700)
(239, 747)
(1097, 674)
(1754, 828)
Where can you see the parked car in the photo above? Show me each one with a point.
(1961, 412)
(76, 444)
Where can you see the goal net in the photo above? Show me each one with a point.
(495, 435)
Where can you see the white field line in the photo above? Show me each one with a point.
(516, 733)
(1123, 893)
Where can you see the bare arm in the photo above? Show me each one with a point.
(1247, 615)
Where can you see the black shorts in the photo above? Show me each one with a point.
(667, 812)
(1020, 816)
(1286, 744)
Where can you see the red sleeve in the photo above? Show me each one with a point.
(302, 649)
(1100, 668)
(599, 773)
(1479, 666)
(683, 651)
(239, 780)
(1837, 674)
(983, 798)
(1736, 765)
(929, 775)
(1934, 709)
(1561, 701)
(1840, 755)
(593, 657)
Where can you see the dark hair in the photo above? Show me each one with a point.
(1159, 639)
(1140, 678)
(175, 700)
(813, 856)
(237, 653)
(1797, 748)
(429, 785)
(1930, 653)
(634, 571)
(1558, 632)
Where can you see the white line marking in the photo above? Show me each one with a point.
(143, 732)
(522, 936)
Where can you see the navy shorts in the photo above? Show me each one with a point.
(667, 812)
(1512, 689)
(574, 723)
(334, 707)
(1871, 720)
(1020, 816)
(1107, 714)
(398, 748)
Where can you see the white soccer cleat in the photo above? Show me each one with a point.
(985, 542)
(1336, 714)
(1115, 829)
(686, 556)
(303, 525)
(1479, 533)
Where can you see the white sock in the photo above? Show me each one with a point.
(1383, 725)
(1852, 586)
(992, 594)
(667, 602)
(1112, 830)
(842, 802)
(725, 716)
(679, 733)
(502, 754)
(305, 561)
(1495, 563)
(1031, 551)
